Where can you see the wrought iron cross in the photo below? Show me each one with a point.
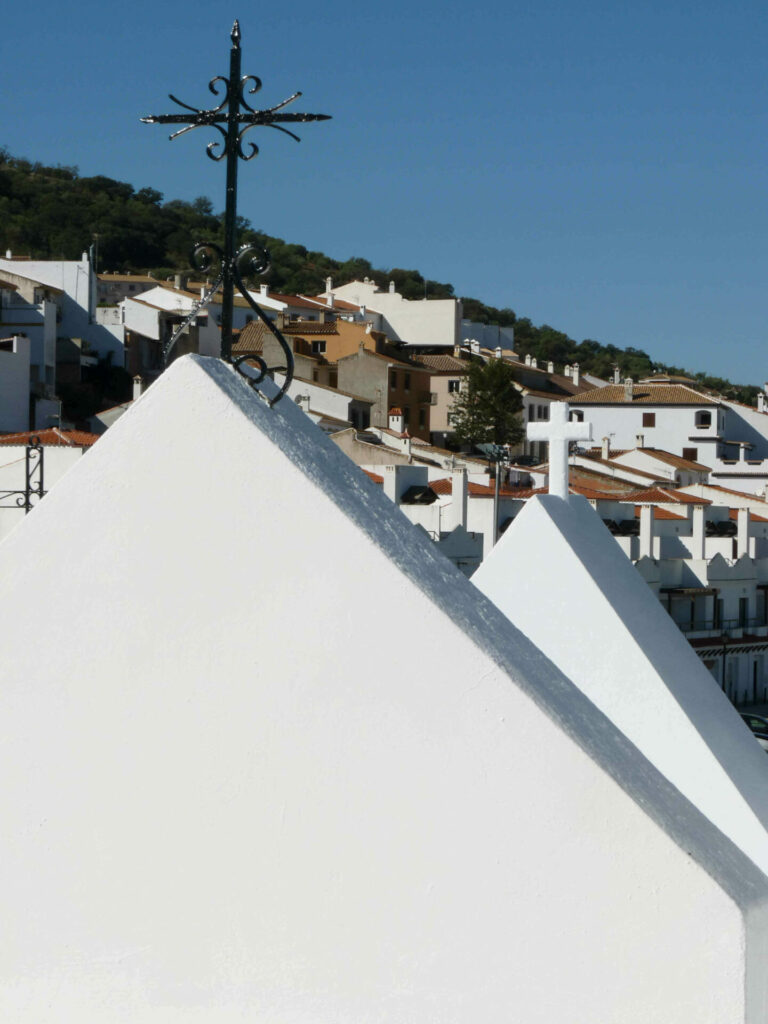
(233, 117)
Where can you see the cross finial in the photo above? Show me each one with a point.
(559, 432)
(236, 36)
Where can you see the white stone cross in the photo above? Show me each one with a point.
(559, 432)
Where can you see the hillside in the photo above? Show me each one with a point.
(54, 213)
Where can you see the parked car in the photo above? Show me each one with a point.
(759, 727)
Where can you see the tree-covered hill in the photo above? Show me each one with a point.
(54, 213)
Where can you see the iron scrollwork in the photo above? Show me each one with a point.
(232, 118)
(34, 482)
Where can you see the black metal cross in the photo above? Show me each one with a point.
(233, 117)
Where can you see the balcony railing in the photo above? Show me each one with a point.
(720, 625)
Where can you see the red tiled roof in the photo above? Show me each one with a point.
(644, 394)
(673, 460)
(309, 327)
(660, 513)
(374, 476)
(52, 436)
(445, 486)
(664, 496)
(754, 517)
(443, 363)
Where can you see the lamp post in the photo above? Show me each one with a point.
(233, 117)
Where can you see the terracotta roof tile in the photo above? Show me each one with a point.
(666, 496)
(644, 394)
(674, 460)
(52, 436)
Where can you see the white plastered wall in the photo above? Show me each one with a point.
(224, 797)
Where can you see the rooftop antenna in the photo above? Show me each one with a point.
(232, 118)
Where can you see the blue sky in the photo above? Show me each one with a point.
(596, 166)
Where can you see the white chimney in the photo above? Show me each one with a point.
(575, 374)
(329, 284)
(459, 490)
(550, 367)
(629, 389)
(391, 287)
(761, 401)
(606, 448)
(742, 532)
(329, 299)
(640, 440)
(474, 347)
(617, 375)
(698, 532)
(567, 370)
(528, 359)
(8, 254)
(497, 351)
(646, 531)
(396, 420)
(138, 387)
(264, 290)
(534, 364)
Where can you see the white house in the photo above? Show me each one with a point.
(677, 418)
(426, 323)
(76, 282)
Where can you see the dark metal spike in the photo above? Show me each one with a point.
(236, 34)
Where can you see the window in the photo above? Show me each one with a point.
(407, 381)
(422, 419)
(649, 419)
(718, 621)
(318, 348)
(703, 419)
(577, 416)
(454, 386)
(743, 610)
(392, 380)
(692, 454)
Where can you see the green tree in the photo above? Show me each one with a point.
(487, 409)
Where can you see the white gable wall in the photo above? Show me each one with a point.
(606, 629)
(281, 825)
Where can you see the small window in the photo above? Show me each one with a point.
(422, 419)
(407, 381)
(318, 348)
(393, 380)
(577, 416)
(649, 419)
(454, 386)
(703, 418)
(692, 454)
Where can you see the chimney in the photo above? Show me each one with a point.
(534, 364)
(459, 490)
(742, 532)
(616, 375)
(138, 387)
(391, 287)
(528, 359)
(264, 290)
(474, 347)
(497, 351)
(329, 299)
(697, 532)
(328, 284)
(550, 367)
(396, 420)
(575, 374)
(761, 401)
(8, 254)
(606, 448)
(639, 440)
(629, 389)
(646, 531)
(567, 370)
(180, 281)
(303, 402)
